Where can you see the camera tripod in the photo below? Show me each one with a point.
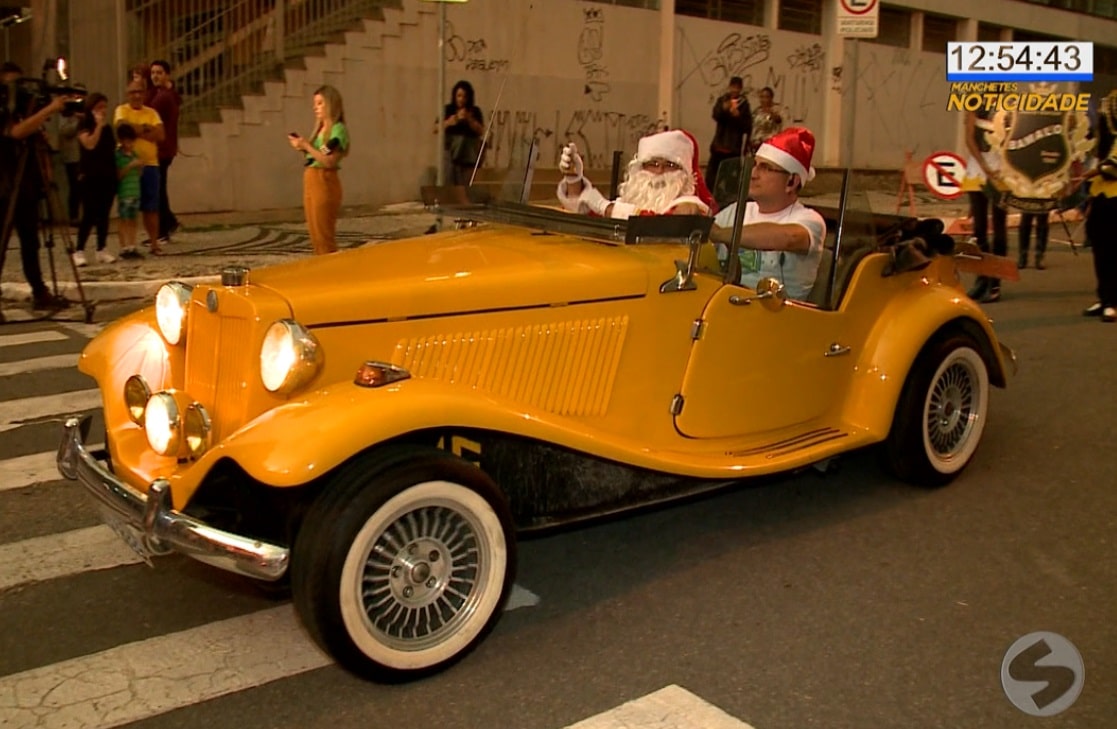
(34, 151)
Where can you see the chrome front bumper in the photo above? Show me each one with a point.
(149, 524)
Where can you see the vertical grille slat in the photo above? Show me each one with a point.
(217, 382)
(567, 368)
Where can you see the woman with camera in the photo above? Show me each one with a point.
(463, 125)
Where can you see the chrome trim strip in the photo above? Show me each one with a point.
(163, 529)
(806, 437)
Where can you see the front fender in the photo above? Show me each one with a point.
(914, 317)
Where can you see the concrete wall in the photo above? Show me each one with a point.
(558, 70)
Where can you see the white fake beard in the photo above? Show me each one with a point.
(657, 193)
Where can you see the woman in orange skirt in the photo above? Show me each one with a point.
(321, 184)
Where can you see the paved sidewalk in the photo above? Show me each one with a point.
(208, 242)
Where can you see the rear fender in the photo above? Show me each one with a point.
(896, 341)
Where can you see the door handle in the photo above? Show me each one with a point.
(836, 350)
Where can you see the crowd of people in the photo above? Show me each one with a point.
(102, 157)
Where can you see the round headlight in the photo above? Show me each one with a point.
(289, 357)
(170, 310)
(196, 429)
(162, 424)
(136, 395)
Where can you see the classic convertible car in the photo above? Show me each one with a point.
(378, 426)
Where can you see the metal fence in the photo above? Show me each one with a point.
(220, 50)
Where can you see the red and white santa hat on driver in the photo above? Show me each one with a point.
(792, 150)
(678, 146)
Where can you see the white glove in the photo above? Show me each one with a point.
(591, 200)
(570, 163)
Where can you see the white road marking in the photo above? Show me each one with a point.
(17, 473)
(521, 597)
(17, 340)
(14, 413)
(140, 680)
(86, 330)
(61, 555)
(23, 366)
(672, 707)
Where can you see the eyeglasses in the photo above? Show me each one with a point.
(663, 165)
(769, 167)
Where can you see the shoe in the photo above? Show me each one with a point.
(131, 254)
(1109, 314)
(992, 295)
(164, 240)
(977, 293)
(1094, 309)
(1040, 265)
(47, 300)
(79, 258)
(105, 257)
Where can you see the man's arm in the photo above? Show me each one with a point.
(790, 237)
(25, 128)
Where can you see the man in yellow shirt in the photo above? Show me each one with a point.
(149, 133)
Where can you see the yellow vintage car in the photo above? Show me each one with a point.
(378, 426)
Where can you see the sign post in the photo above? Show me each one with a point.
(856, 19)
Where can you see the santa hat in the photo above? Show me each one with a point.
(678, 146)
(792, 150)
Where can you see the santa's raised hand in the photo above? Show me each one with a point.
(570, 163)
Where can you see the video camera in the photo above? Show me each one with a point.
(25, 95)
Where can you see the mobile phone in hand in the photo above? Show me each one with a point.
(293, 135)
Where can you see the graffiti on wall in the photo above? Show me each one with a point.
(598, 133)
(900, 95)
(591, 54)
(473, 54)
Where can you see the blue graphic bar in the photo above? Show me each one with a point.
(1047, 76)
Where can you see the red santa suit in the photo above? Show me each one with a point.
(644, 192)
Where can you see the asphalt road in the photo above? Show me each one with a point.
(845, 600)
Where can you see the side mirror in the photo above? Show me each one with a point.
(769, 292)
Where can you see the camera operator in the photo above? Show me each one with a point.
(16, 138)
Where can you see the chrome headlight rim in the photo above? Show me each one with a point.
(289, 357)
(172, 306)
(197, 429)
(136, 395)
(162, 412)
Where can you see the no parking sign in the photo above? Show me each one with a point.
(943, 173)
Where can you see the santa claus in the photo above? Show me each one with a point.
(662, 179)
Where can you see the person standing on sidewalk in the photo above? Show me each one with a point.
(982, 180)
(148, 127)
(734, 126)
(1101, 216)
(1041, 224)
(128, 166)
(328, 145)
(166, 100)
(97, 173)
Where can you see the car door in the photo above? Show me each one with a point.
(758, 366)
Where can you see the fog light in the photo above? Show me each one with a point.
(163, 424)
(136, 395)
(196, 429)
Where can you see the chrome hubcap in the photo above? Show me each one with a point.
(420, 581)
(952, 408)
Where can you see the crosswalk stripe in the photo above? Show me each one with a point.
(24, 366)
(60, 555)
(17, 473)
(16, 340)
(140, 680)
(86, 330)
(672, 707)
(14, 413)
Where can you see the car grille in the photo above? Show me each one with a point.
(565, 368)
(218, 362)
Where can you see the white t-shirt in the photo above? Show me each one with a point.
(797, 271)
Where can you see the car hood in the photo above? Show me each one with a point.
(482, 269)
